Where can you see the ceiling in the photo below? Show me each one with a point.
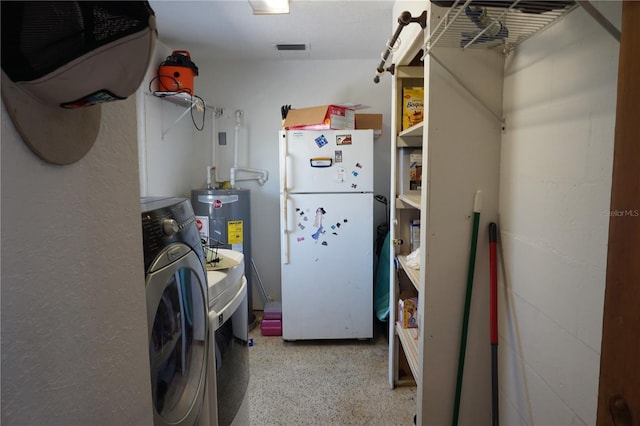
(228, 30)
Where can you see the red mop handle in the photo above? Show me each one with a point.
(493, 271)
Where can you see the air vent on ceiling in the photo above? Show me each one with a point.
(291, 47)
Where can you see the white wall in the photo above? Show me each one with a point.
(173, 153)
(74, 323)
(559, 104)
(177, 163)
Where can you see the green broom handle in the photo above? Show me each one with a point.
(467, 306)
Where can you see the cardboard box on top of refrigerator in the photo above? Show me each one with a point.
(325, 117)
(370, 121)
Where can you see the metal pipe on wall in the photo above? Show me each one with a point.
(404, 19)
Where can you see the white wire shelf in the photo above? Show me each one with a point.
(468, 24)
(190, 101)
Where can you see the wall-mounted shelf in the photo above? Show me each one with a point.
(190, 102)
(478, 24)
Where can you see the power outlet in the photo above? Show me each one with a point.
(222, 138)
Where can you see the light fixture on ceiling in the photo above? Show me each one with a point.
(269, 7)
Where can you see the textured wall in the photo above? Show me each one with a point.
(74, 332)
(559, 104)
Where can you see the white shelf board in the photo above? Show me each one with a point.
(413, 274)
(409, 142)
(411, 200)
(187, 100)
(413, 131)
(409, 341)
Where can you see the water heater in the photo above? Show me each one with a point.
(223, 217)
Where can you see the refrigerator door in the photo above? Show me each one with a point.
(327, 283)
(326, 161)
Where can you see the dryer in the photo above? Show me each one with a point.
(228, 381)
(177, 310)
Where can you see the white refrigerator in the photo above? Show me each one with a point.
(326, 211)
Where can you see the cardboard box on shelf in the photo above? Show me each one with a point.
(408, 312)
(370, 121)
(415, 234)
(325, 117)
(412, 106)
(415, 171)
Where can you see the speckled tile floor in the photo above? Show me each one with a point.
(324, 383)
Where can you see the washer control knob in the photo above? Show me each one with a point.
(170, 227)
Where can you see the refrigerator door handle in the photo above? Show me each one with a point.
(284, 222)
(284, 215)
(283, 163)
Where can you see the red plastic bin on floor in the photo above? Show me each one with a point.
(272, 311)
(270, 327)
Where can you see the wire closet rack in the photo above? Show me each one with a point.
(499, 25)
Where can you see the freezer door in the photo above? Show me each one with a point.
(327, 284)
(326, 161)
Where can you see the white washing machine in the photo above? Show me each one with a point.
(228, 380)
(177, 310)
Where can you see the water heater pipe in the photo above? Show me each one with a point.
(212, 168)
(235, 148)
(259, 175)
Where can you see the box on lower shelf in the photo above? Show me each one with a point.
(415, 234)
(408, 312)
